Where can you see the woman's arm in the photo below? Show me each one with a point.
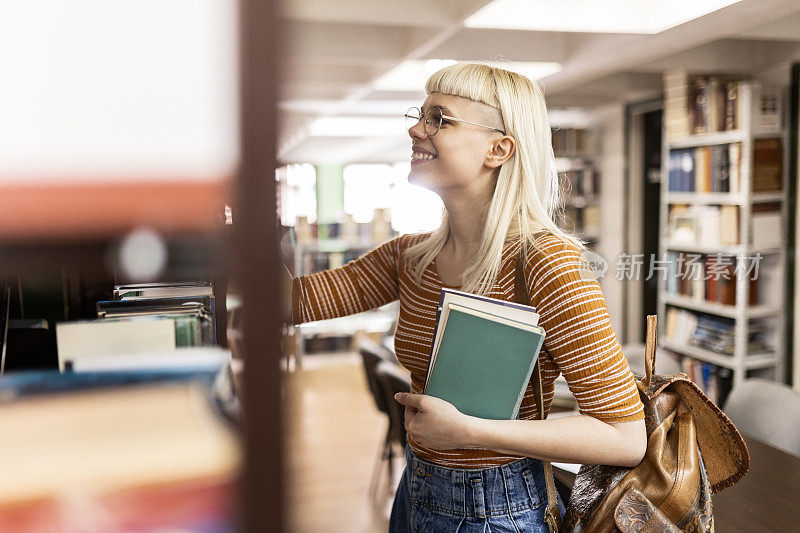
(365, 283)
(580, 439)
(435, 423)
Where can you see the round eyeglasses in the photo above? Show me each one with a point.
(433, 119)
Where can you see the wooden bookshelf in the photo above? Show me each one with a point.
(740, 314)
(87, 208)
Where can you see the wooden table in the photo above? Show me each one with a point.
(767, 499)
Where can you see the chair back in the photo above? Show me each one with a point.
(372, 355)
(768, 411)
(393, 380)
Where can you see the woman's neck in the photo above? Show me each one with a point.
(466, 218)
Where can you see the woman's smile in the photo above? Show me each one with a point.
(419, 155)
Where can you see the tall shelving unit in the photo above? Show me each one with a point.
(576, 151)
(771, 302)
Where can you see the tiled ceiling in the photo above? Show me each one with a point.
(335, 50)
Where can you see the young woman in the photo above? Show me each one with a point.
(481, 141)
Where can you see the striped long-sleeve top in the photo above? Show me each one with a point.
(579, 341)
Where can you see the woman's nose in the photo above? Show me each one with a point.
(417, 131)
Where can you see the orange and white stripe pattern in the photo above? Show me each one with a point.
(580, 342)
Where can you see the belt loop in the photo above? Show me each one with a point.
(478, 497)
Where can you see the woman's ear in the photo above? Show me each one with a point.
(501, 151)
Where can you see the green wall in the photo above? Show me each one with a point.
(330, 193)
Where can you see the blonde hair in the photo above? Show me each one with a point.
(527, 197)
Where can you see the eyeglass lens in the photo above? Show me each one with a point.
(432, 119)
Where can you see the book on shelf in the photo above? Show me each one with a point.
(98, 338)
(581, 181)
(767, 165)
(715, 381)
(714, 103)
(703, 104)
(483, 353)
(163, 290)
(574, 141)
(705, 169)
(676, 104)
(706, 277)
(712, 333)
(703, 225)
(194, 317)
(348, 231)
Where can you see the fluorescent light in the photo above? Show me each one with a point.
(358, 126)
(599, 16)
(411, 75)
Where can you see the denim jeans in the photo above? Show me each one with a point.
(432, 498)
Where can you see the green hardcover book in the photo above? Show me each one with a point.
(483, 363)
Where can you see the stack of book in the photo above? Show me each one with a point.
(706, 168)
(193, 316)
(483, 354)
(145, 319)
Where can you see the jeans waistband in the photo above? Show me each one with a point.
(479, 492)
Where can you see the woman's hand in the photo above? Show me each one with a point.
(435, 423)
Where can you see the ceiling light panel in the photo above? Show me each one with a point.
(594, 16)
(411, 75)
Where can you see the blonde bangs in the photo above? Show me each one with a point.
(467, 80)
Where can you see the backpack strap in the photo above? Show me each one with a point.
(551, 516)
(650, 350)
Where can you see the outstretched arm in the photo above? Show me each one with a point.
(365, 283)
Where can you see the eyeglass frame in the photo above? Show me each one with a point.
(442, 115)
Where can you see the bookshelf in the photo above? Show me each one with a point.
(349, 241)
(576, 151)
(723, 209)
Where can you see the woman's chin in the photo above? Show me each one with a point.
(417, 178)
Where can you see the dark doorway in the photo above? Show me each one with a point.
(651, 179)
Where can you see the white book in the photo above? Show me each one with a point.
(524, 314)
(708, 226)
(98, 338)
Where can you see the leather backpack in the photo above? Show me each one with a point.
(693, 450)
